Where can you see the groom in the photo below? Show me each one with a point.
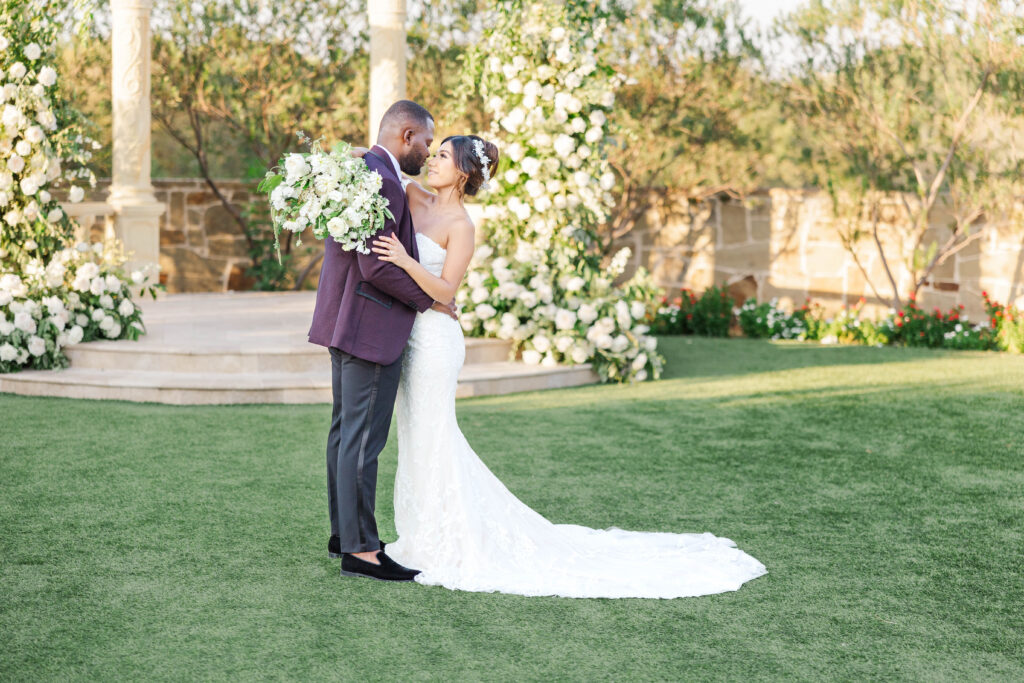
(364, 313)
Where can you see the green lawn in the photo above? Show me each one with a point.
(883, 489)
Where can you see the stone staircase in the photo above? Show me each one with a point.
(246, 348)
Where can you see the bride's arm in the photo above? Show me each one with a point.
(417, 192)
(460, 251)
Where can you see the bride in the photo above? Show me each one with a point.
(456, 521)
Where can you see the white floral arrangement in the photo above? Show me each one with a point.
(539, 282)
(333, 193)
(42, 143)
(81, 294)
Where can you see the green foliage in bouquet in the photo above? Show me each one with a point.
(541, 281)
(333, 193)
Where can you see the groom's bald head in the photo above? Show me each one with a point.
(407, 131)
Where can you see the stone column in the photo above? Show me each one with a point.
(137, 212)
(387, 58)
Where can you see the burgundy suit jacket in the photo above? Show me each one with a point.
(365, 306)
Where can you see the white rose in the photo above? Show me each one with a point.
(528, 299)
(98, 314)
(23, 148)
(530, 166)
(137, 277)
(75, 335)
(5, 298)
(47, 76)
(25, 322)
(638, 310)
(562, 343)
(485, 311)
(107, 323)
(639, 362)
(565, 319)
(541, 343)
(620, 343)
(31, 245)
(17, 71)
(33, 51)
(82, 319)
(575, 284)
(531, 357)
(36, 346)
(587, 314)
(6, 326)
(557, 34)
(97, 286)
(295, 167)
(579, 355)
(8, 353)
(34, 134)
(564, 145)
(113, 283)
(114, 332)
(76, 194)
(607, 180)
(55, 215)
(15, 163)
(604, 341)
(480, 295)
(511, 176)
(29, 186)
(106, 301)
(622, 314)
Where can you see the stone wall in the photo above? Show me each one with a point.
(784, 243)
(779, 243)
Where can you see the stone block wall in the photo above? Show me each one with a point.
(784, 243)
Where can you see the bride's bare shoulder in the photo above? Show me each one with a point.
(420, 195)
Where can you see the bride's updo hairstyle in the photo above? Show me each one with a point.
(476, 158)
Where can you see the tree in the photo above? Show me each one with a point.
(915, 105)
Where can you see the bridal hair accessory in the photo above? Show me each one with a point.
(485, 163)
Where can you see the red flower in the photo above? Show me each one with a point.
(920, 334)
(689, 316)
(900, 313)
(984, 294)
(899, 323)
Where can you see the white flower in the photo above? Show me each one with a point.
(114, 332)
(639, 362)
(295, 166)
(6, 326)
(8, 353)
(31, 245)
(650, 344)
(575, 284)
(25, 322)
(565, 319)
(107, 323)
(113, 283)
(34, 135)
(640, 376)
(106, 301)
(620, 343)
(480, 295)
(593, 135)
(17, 71)
(137, 277)
(485, 311)
(98, 314)
(557, 34)
(564, 145)
(76, 194)
(587, 314)
(33, 51)
(55, 215)
(541, 343)
(531, 357)
(530, 166)
(23, 148)
(125, 308)
(97, 286)
(638, 310)
(562, 343)
(36, 346)
(15, 163)
(82, 319)
(579, 355)
(528, 299)
(604, 341)
(47, 76)
(29, 186)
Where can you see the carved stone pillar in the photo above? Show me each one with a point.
(387, 58)
(137, 212)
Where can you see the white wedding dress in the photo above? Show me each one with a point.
(464, 530)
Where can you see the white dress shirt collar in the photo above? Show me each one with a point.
(394, 161)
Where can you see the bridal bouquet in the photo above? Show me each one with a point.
(332, 192)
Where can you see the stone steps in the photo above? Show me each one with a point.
(247, 348)
(203, 388)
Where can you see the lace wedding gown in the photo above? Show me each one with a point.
(459, 524)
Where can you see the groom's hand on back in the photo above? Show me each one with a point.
(449, 308)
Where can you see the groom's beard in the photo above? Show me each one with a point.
(412, 163)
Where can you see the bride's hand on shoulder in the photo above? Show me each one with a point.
(359, 152)
(389, 248)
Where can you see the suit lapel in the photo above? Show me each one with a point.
(410, 240)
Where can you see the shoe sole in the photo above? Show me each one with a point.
(375, 578)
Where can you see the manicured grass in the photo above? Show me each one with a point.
(883, 489)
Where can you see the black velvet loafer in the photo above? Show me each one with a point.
(387, 570)
(334, 547)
